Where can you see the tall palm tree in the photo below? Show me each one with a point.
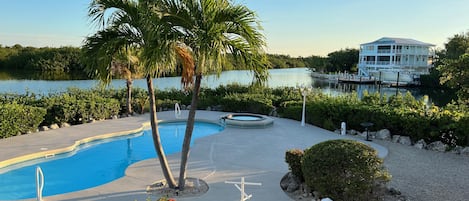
(133, 24)
(213, 29)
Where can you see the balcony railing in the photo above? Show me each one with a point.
(385, 51)
(383, 62)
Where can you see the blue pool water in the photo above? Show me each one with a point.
(94, 163)
(246, 118)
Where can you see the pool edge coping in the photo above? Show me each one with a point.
(77, 143)
(74, 146)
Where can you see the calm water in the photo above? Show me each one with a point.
(278, 78)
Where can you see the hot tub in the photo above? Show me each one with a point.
(246, 120)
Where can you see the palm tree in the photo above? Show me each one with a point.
(213, 29)
(126, 65)
(127, 24)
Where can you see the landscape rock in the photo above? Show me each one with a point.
(383, 134)
(421, 144)
(64, 125)
(209, 108)
(54, 126)
(372, 134)
(285, 181)
(188, 107)
(183, 107)
(457, 150)
(292, 187)
(273, 113)
(395, 138)
(437, 146)
(290, 183)
(405, 140)
(114, 117)
(363, 134)
(393, 191)
(352, 132)
(217, 108)
(43, 128)
(465, 151)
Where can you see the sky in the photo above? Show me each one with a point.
(291, 27)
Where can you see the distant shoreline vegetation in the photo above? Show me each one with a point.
(64, 63)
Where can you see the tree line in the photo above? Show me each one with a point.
(69, 59)
(451, 67)
(17, 57)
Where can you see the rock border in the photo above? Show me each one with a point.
(385, 134)
(194, 187)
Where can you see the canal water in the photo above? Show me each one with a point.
(291, 77)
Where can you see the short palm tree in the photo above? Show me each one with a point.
(127, 24)
(213, 29)
(126, 65)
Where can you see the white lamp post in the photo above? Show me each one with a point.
(304, 91)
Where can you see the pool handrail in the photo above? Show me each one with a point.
(39, 183)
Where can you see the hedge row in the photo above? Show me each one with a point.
(24, 113)
(74, 109)
(401, 114)
(17, 118)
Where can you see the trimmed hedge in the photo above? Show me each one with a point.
(344, 170)
(253, 103)
(402, 115)
(17, 119)
(78, 106)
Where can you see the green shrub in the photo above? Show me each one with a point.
(166, 104)
(16, 119)
(293, 159)
(78, 106)
(254, 103)
(343, 170)
(140, 100)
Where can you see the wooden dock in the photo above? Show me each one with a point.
(358, 80)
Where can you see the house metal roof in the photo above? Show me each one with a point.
(401, 41)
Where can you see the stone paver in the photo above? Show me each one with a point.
(256, 154)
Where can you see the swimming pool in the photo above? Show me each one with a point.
(95, 163)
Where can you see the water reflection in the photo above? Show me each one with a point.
(39, 75)
(333, 88)
(278, 78)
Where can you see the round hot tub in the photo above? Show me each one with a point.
(246, 120)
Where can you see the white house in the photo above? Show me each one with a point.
(388, 58)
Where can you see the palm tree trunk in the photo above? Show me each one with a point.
(129, 96)
(156, 136)
(188, 134)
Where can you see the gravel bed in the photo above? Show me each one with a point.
(423, 175)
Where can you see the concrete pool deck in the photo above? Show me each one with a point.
(256, 154)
